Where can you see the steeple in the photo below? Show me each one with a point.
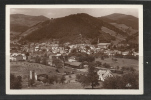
(98, 41)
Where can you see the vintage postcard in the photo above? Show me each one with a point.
(74, 49)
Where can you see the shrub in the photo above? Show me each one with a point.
(98, 63)
(127, 81)
(78, 76)
(102, 58)
(131, 57)
(123, 68)
(15, 82)
(106, 65)
(131, 69)
(117, 67)
(58, 63)
(62, 79)
(53, 79)
(31, 82)
(118, 55)
(91, 78)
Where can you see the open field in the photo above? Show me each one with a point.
(23, 68)
(71, 85)
(74, 85)
(121, 62)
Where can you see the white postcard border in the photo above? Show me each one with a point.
(74, 91)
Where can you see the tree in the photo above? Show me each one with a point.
(117, 67)
(127, 81)
(132, 69)
(55, 77)
(15, 82)
(102, 57)
(44, 50)
(74, 50)
(62, 79)
(67, 47)
(87, 47)
(91, 78)
(106, 65)
(44, 61)
(58, 63)
(31, 82)
(88, 58)
(37, 59)
(114, 47)
(51, 79)
(98, 63)
(123, 68)
(27, 55)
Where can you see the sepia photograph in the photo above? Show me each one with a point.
(74, 49)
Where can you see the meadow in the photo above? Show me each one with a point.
(121, 62)
(23, 69)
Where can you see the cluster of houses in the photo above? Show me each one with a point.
(54, 49)
(48, 51)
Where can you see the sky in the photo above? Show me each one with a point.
(61, 12)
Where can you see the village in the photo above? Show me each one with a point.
(64, 62)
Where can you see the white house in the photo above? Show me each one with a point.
(36, 48)
(24, 56)
(104, 73)
(125, 53)
(103, 45)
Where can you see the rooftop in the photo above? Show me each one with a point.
(104, 43)
(74, 63)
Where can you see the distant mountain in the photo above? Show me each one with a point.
(133, 38)
(128, 20)
(20, 23)
(68, 29)
(76, 28)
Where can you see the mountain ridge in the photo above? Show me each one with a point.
(128, 20)
(22, 20)
(69, 29)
